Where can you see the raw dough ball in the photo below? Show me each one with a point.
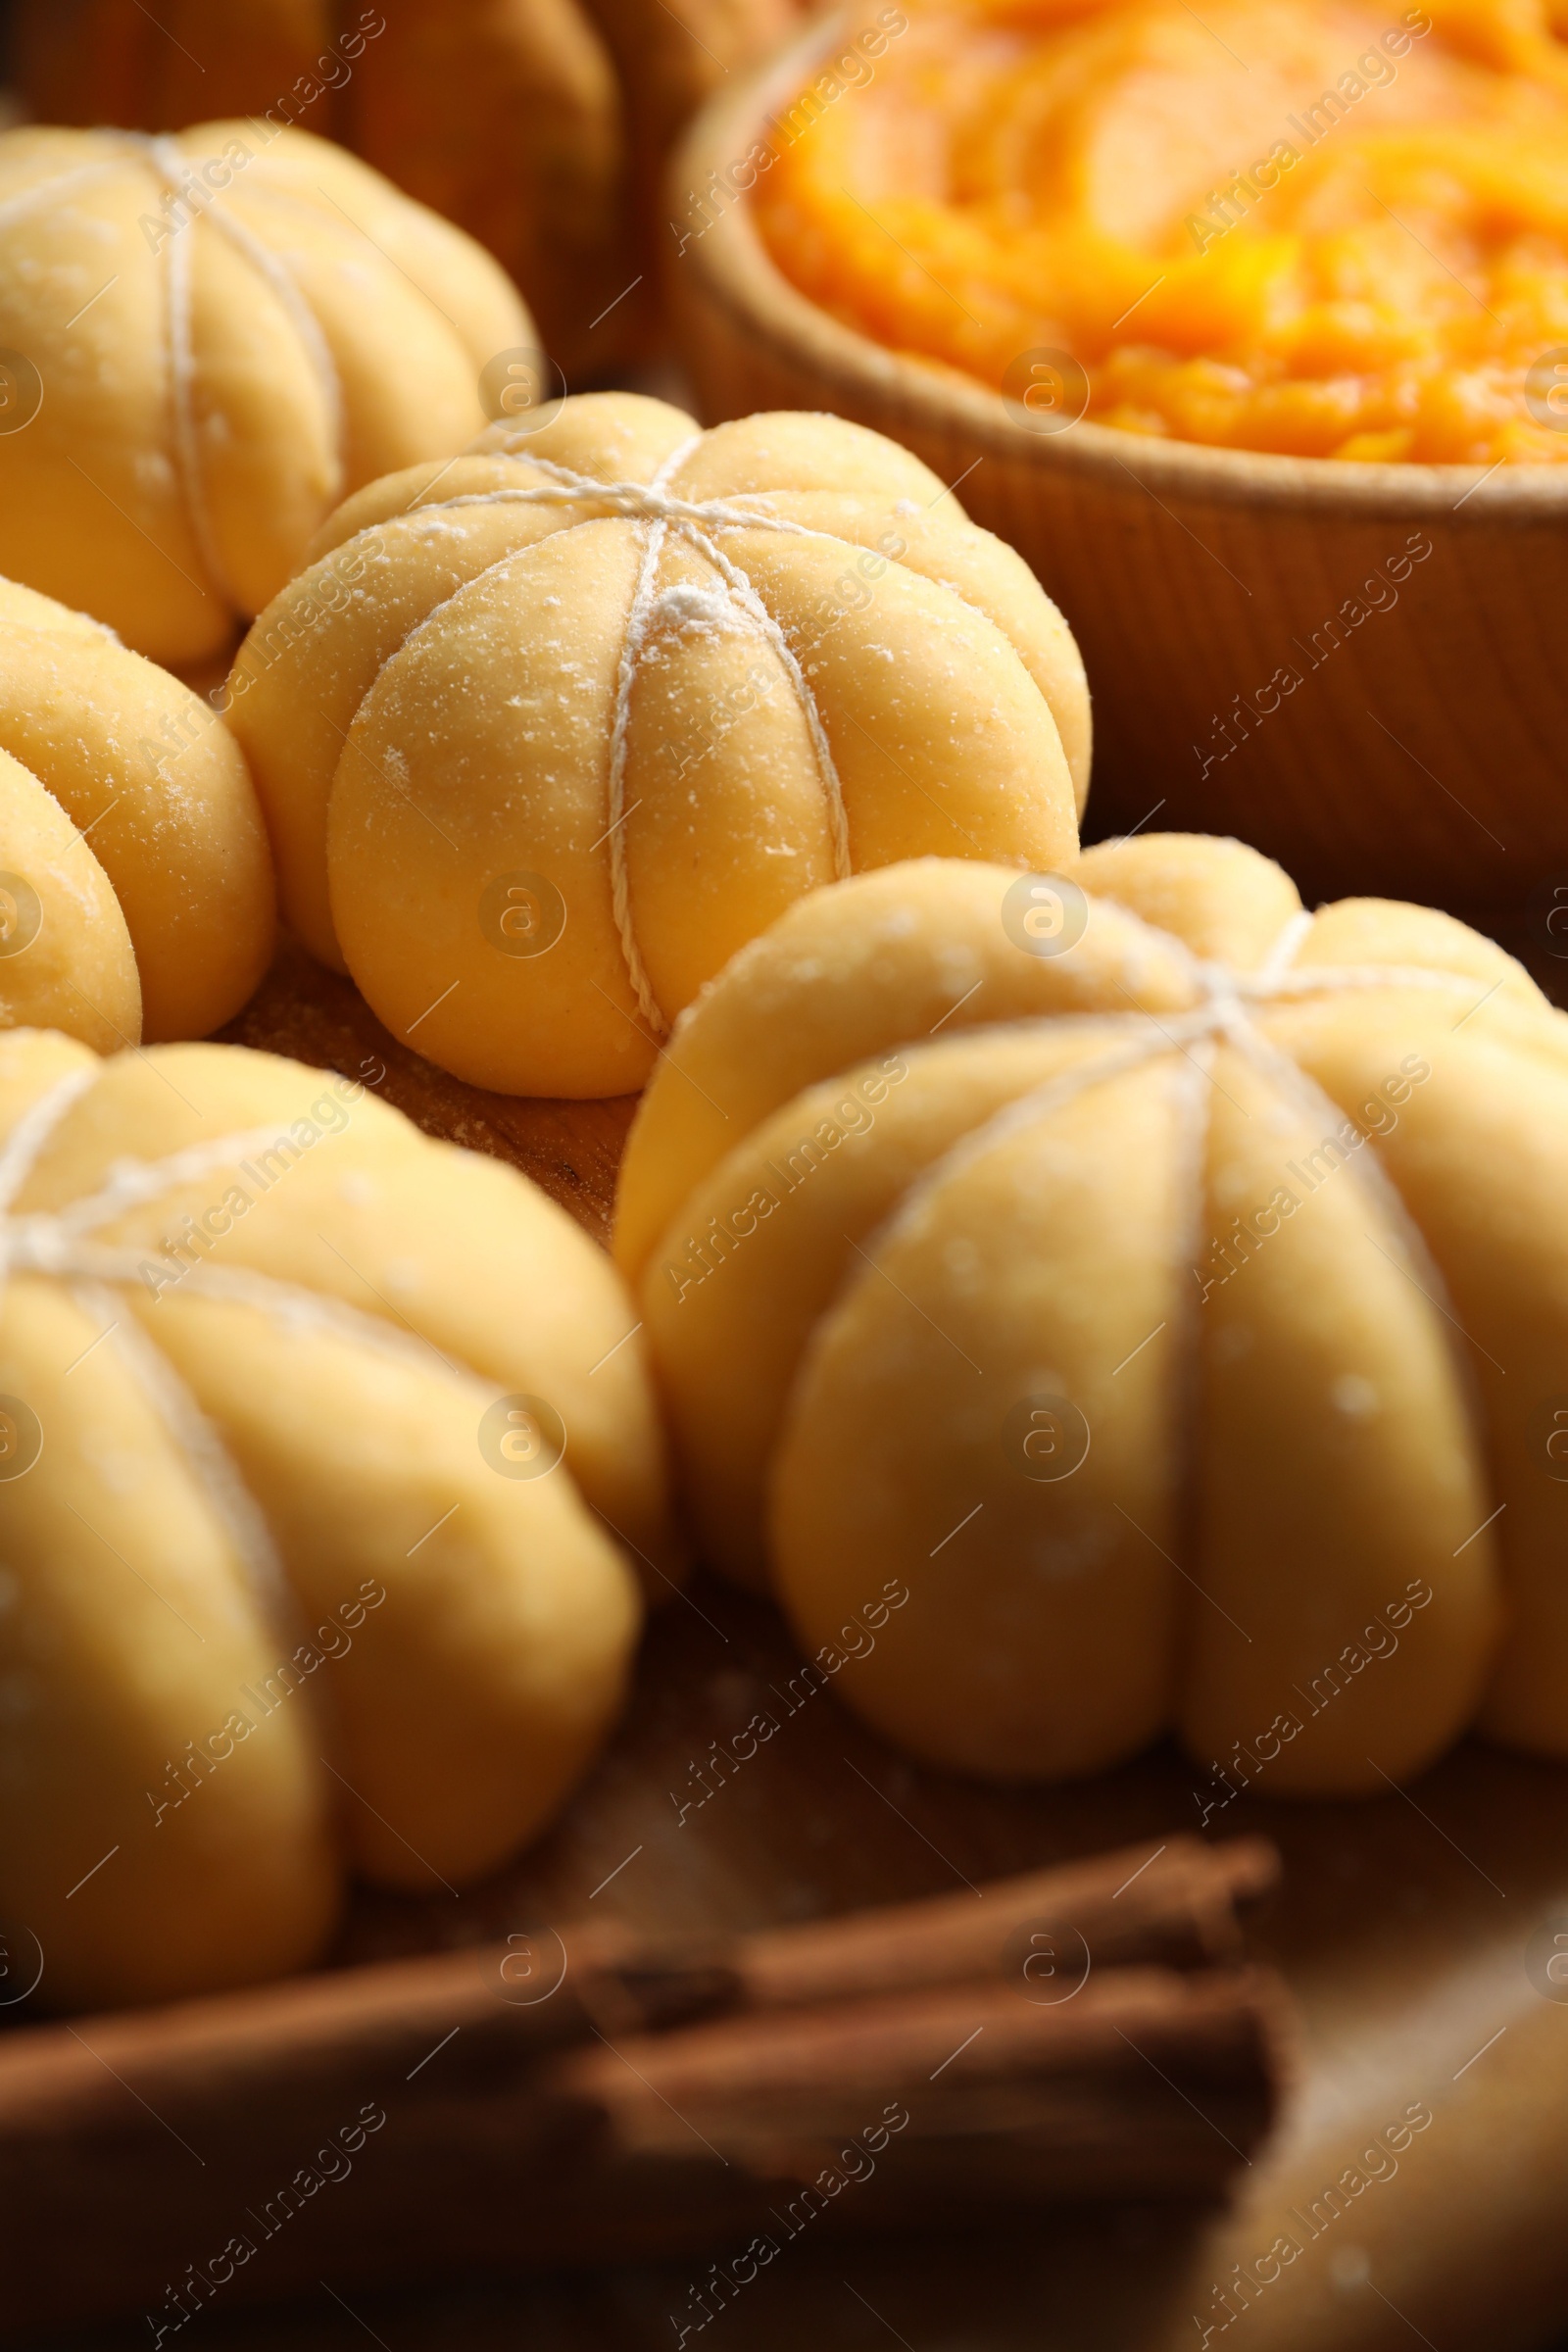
(563, 748)
(207, 339)
(1163, 1288)
(307, 1424)
(542, 126)
(136, 882)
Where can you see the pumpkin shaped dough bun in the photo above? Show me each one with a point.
(612, 693)
(208, 338)
(541, 126)
(1164, 1289)
(136, 882)
(317, 1442)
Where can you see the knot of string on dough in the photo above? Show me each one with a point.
(1226, 996)
(700, 523)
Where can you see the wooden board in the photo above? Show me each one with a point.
(572, 1149)
(1415, 1929)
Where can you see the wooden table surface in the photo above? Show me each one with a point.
(1414, 1929)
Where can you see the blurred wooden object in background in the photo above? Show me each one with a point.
(1355, 667)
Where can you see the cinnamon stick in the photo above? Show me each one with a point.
(599, 2094)
(1148, 2084)
(1176, 1903)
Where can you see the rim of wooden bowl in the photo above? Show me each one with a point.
(742, 276)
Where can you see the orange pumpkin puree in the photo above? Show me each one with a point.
(1307, 225)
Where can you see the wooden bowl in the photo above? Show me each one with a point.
(1257, 668)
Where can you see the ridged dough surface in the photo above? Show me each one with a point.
(221, 332)
(538, 756)
(1171, 1297)
(65, 957)
(320, 1446)
(128, 814)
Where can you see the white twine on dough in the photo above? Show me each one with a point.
(31, 1132)
(1223, 1014)
(57, 1244)
(50, 191)
(696, 520)
(195, 1438)
(653, 535)
(165, 160)
(281, 278)
(174, 169)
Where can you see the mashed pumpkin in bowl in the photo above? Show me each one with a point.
(1325, 227)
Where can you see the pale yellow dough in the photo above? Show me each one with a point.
(219, 332)
(295, 1575)
(136, 893)
(1170, 1299)
(536, 763)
